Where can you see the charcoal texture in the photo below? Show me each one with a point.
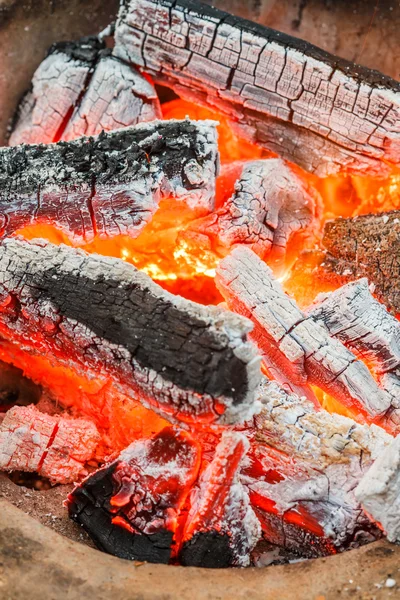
(312, 108)
(90, 508)
(110, 184)
(185, 360)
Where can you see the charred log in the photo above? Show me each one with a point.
(269, 206)
(312, 108)
(130, 508)
(52, 446)
(221, 529)
(111, 184)
(80, 89)
(297, 350)
(367, 246)
(363, 324)
(303, 468)
(186, 361)
(379, 491)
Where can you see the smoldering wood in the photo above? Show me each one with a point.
(363, 324)
(186, 361)
(270, 204)
(221, 529)
(310, 107)
(52, 446)
(130, 508)
(297, 350)
(80, 89)
(366, 246)
(379, 491)
(305, 464)
(110, 184)
(354, 316)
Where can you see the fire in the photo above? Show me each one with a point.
(182, 258)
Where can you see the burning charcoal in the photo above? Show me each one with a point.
(367, 246)
(52, 446)
(130, 508)
(109, 185)
(221, 529)
(364, 325)
(379, 491)
(312, 108)
(303, 468)
(187, 361)
(297, 350)
(79, 89)
(270, 204)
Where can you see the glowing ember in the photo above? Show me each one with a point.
(244, 233)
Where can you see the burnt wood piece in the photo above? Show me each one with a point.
(301, 472)
(367, 246)
(110, 184)
(310, 107)
(379, 491)
(363, 324)
(296, 349)
(80, 89)
(269, 205)
(221, 529)
(52, 446)
(130, 508)
(187, 361)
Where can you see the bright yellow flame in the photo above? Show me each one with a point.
(202, 264)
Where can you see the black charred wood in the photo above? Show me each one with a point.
(110, 184)
(187, 361)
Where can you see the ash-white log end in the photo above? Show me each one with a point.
(379, 491)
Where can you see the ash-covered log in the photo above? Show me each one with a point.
(110, 184)
(80, 89)
(221, 529)
(270, 204)
(366, 246)
(296, 350)
(52, 446)
(312, 108)
(303, 468)
(363, 324)
(131, 507)
(187, 361)
(379, 491)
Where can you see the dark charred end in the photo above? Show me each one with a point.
(209, 549)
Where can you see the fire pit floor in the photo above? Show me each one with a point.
(28, 550)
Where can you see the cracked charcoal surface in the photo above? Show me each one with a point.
(110, 184)
(320, 458)
(297, 350)
(270, 204)
(80, 89)
(313, 108)
(180, 357)
(363, 324)
(367, 246)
